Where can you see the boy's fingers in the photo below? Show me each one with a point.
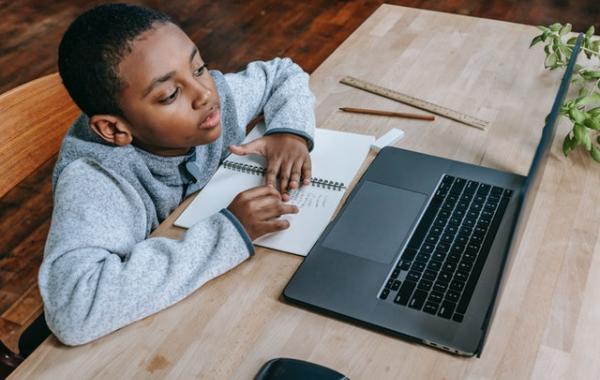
(272, 207)
(274, 225)
(306, 171)
(263, 206)
(295, 176)
(272, 171)
(256, 147)
(260, 191)
(236, 149)
(284, 176)
(287, 208)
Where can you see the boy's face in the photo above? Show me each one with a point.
(170, 102)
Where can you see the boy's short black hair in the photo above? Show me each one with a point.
(92, 48)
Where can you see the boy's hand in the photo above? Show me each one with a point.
(287, 159)
(258, 209)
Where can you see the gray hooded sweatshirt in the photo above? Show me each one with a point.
(100, 270)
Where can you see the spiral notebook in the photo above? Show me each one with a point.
(335, 159)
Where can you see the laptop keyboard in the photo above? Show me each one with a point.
(441, 264)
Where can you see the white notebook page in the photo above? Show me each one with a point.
(337, 156)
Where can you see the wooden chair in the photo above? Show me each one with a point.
(33, 120)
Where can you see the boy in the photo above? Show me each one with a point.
(155, 126)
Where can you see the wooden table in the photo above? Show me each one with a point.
(548, 321)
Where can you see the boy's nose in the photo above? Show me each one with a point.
(201, 96)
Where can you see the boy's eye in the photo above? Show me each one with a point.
(199, 71)
(169, 99)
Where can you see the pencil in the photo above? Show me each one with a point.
(388, 113)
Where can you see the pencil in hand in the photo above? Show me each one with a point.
(388, 113)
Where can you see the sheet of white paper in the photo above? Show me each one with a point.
(316, 206)
(337, 156)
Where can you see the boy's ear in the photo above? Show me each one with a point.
(112, 129)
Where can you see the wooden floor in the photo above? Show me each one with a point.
(229, 34)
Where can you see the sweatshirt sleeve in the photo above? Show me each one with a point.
(279, 89)
(100, 271)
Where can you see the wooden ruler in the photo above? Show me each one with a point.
(415, 102)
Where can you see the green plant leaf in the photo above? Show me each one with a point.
(565, 51)
(556, 27)
(536, 39)
(569, 104)
(590, 74)
(543, 28)
(572, 40)
(592, 123)
(595, 154)
(579, 131)
(594, 112)
(556, 42)
(559, 56)
(565, 29)
(551, 60)
(545, 35)
(589, 99)
(568, 145)
(590, 32)
(577, 81)
(577, 116)
(587, 142)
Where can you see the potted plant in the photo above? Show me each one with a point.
(584, 110)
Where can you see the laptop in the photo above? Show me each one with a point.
(421, 245)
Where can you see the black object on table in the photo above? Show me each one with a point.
(293, 369)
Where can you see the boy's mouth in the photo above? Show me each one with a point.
(211, 121)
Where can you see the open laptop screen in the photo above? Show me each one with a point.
(535, 174)
(541, 153)
(536, 171)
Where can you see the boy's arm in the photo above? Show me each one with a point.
(100, 272)
(279, 89)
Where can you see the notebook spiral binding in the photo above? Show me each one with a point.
(258, 170)
(331, 185)
(244, 168)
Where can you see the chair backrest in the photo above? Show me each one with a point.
(34, 117)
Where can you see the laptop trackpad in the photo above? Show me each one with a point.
(375, 223)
